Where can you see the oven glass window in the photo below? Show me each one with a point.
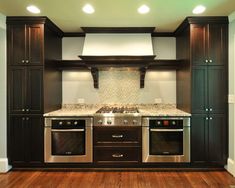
(68, 143)
(166, 143)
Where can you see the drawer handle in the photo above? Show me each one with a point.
(117, 136)
(117, 155)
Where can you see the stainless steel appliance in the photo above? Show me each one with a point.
(68, 140)
(117, 116)
(166, 139)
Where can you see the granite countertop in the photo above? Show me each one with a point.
(144, 109)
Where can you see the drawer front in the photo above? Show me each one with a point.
(117, 154)
(106, 135)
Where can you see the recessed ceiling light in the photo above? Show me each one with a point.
(144, 9)
(33, 9)
(88, 9)
(199, 9)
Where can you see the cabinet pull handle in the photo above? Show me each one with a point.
(23, 110)
(117, 155)
(207, 109)
(27, 61)
(211, 118)
(22, 61)
(210, 61)
(210, 109)
(207, 118)
(117, 136)
(206, 61)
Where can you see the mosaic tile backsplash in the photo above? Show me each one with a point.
(119, 87)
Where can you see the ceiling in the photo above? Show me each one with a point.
(165, 15)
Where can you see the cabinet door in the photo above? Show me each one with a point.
(35, 139)
(216, 139)
(34, 90)
(16, 37)
(217, 93)
(26, 139)
(34, 44)
(218, 44)
(198, 44)
(18, 139)
(17, 89)
(199, 133)
(199, 89)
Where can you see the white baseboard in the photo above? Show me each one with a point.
(230, 166)
(4, 167)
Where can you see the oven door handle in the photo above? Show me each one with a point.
(166, 130)
(67, 130)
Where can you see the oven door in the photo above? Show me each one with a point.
(68, 145)
(165, 145)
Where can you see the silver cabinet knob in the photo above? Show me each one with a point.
(210, 61)
(207, 118)
(60, 123)
(210, 109)
(207, 109)
(26, 61)
(75, 123)
(23, 110)
(27, 110)
(206, 61)
(27, 118)
(211, 118)
(22, 61)
(23, 118)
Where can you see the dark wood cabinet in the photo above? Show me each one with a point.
(26, 139)
(209, 89)
(32, 44)
(208, 138)
(202, 44)
(117, 145)
(25, 44)
(209, 43)
(26, 89)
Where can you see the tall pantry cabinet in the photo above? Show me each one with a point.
(202, 44)
(33, 44)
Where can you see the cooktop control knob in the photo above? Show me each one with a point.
(134, 122)
(125, 121)
(109, 122)
(100, 122)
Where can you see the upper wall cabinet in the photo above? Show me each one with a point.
(209, 43)
(25, 44)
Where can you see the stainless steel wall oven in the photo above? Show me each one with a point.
(166, 139)
(68, 140)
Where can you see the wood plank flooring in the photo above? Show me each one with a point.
(49, 179)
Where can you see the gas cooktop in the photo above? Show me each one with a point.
(121, 110)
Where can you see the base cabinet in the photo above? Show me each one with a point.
(117, 145)
(26, 133)
(208, 138)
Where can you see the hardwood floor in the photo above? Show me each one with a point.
(48, 179)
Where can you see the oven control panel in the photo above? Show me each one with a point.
(67, 124)
(166, 123)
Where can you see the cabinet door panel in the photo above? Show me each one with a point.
(17, 89)
(198, 43)
(217, 94)
(16, 44)
(216, 138)
(35, 44)
(36, 142)
(18, 139)
(34, 89)
(199, 138)
(217, 42)
(199, 89)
